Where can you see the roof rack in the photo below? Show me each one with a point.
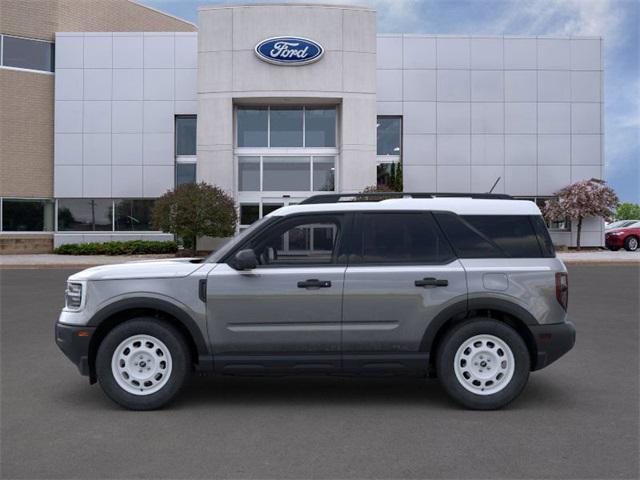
(379, 196)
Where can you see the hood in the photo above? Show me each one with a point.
(171, 268)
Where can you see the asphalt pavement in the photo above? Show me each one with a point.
(578, 418)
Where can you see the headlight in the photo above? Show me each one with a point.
(616, 233)
(73, 296)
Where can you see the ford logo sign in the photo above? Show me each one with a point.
(289, 51)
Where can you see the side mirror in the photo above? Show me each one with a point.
(245, 260)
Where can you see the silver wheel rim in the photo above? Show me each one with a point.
(633, 244)
(484, 364)
(141, 365)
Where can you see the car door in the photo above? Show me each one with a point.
(401, 274)
(286, 313)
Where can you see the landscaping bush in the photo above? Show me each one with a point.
(133, 247)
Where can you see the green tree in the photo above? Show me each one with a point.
(195, 210)
(628, 211)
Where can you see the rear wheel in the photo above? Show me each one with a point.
(142, 363)
(483, 364)
(631, 244)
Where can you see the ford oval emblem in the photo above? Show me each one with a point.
(289, 51)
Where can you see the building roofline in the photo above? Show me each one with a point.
(136, 2)
(286, 4)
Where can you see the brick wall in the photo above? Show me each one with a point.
(26, 116)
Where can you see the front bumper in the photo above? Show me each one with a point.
(614, 241)
(74, 342)
(552, 342)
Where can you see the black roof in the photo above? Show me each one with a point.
(378, 196)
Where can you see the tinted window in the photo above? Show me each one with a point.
(134, 215)
(185, 173)
(412, 238)
(299, 241)
(186, 135)
(514, 234)
(25, 53)
(84, 215)
(491, 236)
(253, 127)
(320, 127)
(286, 127)
(544, 240)
(389, 133)
(27, 215)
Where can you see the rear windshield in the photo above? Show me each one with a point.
(497, 236)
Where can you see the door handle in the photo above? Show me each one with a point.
(431, 282)
(314, 283)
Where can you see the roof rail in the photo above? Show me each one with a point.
(379, 196)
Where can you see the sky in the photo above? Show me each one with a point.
(617, 21)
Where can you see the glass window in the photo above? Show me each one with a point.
(286, 127)
(467, 241)
(134, 215)
(320, 127)
(544, 239)
(252, 126)
(299, 241)
(389, 132)
(26, 53)
(186, 135)
(267, 208)
(286, 173)
(26, 215)
(249, 174)
(324, 169)
(412, 238)
(249, 213)
(389, 174)
(84, 215)
(185, 173)
(514, 234)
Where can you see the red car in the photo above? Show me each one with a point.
(627, 237)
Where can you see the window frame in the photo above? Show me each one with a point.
(22, 69)
(340, 254)
(268, 146)
(355, 244)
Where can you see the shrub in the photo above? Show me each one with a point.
(133, 247)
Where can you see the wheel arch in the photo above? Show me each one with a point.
(119, 312)
(508, 312)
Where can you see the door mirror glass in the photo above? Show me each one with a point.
(245, 260)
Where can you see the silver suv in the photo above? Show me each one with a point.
(467, 289)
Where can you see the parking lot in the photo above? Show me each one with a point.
(576, 419)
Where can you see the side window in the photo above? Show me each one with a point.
(544, 239)
(407, 238)
(512, 233)
(308, 240)
(469, 243)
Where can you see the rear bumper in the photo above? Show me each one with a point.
(552, 342)
(74, 342)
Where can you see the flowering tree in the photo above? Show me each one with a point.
(586, 198)
(195, 210)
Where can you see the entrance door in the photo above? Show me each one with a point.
(286, 313)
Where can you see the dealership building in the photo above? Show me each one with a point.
(273, 103)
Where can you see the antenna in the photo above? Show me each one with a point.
(494, 185)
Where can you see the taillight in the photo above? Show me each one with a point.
(562, 289)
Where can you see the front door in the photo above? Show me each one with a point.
(401, 274)
(286, 313)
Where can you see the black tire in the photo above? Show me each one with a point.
(180, 361)
(454, 339)
(631, 243)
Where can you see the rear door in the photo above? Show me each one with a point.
(401, 274)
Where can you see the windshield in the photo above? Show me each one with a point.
(216, 255)
(621, 224)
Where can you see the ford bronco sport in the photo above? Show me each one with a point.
(465, 288)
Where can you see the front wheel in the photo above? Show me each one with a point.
(631, 244)
(142, 364)
(483, 364)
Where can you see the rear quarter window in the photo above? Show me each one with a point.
(496, 236)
